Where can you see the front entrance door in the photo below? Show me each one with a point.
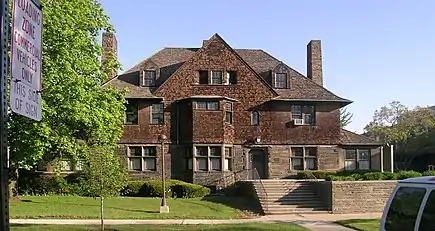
(257, 160)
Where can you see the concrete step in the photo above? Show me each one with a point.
(280, 194)
(295, 200)
(279, 205)
(274, 212)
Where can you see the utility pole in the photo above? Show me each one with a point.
(4, 171)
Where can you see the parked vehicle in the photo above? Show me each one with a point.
(411, 206)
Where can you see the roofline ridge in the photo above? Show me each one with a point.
(137, 64)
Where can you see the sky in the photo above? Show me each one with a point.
(373, 51)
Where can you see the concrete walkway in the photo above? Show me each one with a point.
(315, 222)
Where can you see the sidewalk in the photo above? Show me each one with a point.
(315, 222)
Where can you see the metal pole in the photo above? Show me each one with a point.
(4, 189)
(392, 157)
(382, 158)
(163, 175)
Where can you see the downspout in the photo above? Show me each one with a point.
(178, 122)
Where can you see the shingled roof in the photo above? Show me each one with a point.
(170, 59)
(351, 138)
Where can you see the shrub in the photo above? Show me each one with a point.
(319, 174)
(407, 174)
(187, 190)
(240, 189)
(373, 176)
(429, 173)
(390, 176)
(132, 189)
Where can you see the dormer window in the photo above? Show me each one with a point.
(281, 80)
(149, 78)
(216, 77)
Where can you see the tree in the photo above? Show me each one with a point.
(104, 174)
(345, 117)
(74, 106)
(411, 131)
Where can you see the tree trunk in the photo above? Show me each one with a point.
(102, 212)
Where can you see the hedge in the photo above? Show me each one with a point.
(174, 188)
(40, 184)
(361, 175)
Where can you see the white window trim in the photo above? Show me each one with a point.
(286, 78)
(357, 159)
(143, 77)
(222, 158)
(222, 77)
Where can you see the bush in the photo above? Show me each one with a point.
(187, 190)
(429, 173)
(318, 174)
(407, 174)
(373, 176)
(174, 188)
(390, 176)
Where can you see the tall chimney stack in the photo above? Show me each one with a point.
(314, 61)
(110, 50)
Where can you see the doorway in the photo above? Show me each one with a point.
(257, 159)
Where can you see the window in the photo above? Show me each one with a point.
(203, 77)
(255, 118)
(157, 114)
(149, 78)
(229, 113)
(232, 77)
(404, 209)
(209, 158)
(142, 158)
(216, 77)
(66, 165)
(188, 153)
(306, 113)
(304, 158)
(428, 215)
(281, 80)
(228, 158)
(357, 159)
(207, 105)
(131, 112)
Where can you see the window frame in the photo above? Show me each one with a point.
(157, 115)
(229, 109)
(304, 157)
(142, 158)
(149, 81)
(134, 112)
(207, 105)
(357, 158)
(300, 111)
(202, 78)
(255, 118)
(232, 79)
(285, 81)
(228, 158)
(213, 78)
(222, 156)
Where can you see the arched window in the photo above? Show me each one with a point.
(255, 118)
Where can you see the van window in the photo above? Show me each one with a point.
(404, 208)
(428, 216)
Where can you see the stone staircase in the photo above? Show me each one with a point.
(289, 196)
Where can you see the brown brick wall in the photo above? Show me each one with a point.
(360, 196)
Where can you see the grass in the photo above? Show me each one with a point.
(73, 207)
(361, 224)
(233, 227)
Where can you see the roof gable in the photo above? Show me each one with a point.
(212, 50)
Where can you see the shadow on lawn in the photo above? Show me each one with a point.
(87, 205)
(240, 203)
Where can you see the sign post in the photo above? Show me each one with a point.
(26, 59)
(4, 189)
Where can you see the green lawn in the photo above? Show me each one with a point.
(72, 207)
(235, 227)
(361, 224)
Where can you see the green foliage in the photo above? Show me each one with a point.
(75, 107)
(39, 184)
(407, 174)
(361, 175)
(104, 173)
(411, 131)
(429, 173)
(174, 188)
(345, 117)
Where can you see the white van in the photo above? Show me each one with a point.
(411, 206)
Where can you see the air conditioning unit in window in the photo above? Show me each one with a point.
(298, 122)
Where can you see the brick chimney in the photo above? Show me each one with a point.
(314, 61)
(110, 48)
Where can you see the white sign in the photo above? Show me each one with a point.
(25, 101)
(26, 59)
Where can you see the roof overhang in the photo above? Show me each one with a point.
(210, 97)
(363, 144)
(343, 102)
(144, 97)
